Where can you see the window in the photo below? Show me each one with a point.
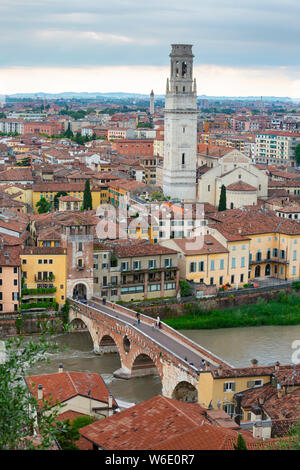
(232, 279)
(40, 261)
(254, 383)
(170, 285)
(45, 261)
(212, 265)
(15, 282)
(221, 264)
(24, 261)
(229, 387)
(50, 261)
(80, 246)
(211, 281)
(242, 262)
(275, 252)
(201, 266)
(193, 267)
(233, 263)
(168, 262)
(136, 265)
(294, 255)
(182, 159)
(242, 277)
(152, 264)
(15, 270)
(294, 270)
(221, 280)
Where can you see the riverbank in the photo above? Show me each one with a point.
(283, 310)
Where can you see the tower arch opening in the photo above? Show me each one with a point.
(80, 292)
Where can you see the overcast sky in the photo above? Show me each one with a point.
(124, 45)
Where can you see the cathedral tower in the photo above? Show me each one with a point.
(180, 152)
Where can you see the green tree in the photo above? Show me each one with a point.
(69, 132)
(222, 201)
(20, 412)
(24, 162)
(297, 154)
(57, 195)
(185, 289)
(67, 435)
(87, 197)
(43, 205)
(240, 443)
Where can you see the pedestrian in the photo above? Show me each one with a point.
(103, 301)
(159, 325)
(138, 318)
(157, 321)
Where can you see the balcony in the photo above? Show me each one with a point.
(270, 260)
(44, 278)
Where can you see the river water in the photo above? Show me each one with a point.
(237, 346)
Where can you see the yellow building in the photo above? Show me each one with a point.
(217, 387)
(44, 268)
(19, 192)
(75, 190)
(210, 262)
(274, 244)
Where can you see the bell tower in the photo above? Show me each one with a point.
(180, 152)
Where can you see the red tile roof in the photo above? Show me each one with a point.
(145, 425)
(65, 385)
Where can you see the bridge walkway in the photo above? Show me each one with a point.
(186, 352)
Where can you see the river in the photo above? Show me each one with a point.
(237, 346)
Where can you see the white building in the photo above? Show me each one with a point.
(180, 153)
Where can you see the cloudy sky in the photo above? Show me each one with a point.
(123, 45)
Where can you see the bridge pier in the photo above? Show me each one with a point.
(122, 373)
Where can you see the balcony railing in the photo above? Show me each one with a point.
(269, 260)
(48, 278)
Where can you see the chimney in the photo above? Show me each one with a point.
(60, 368)
(280, 391)
(40, 392)
(110, 405)
(254, 362)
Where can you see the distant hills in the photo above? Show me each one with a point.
(139, 96)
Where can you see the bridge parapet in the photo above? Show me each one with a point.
(138, 337)
(210, 358)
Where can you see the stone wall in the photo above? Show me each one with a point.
(178, 309)
(15, 325)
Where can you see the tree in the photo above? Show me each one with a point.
(297, 154)
(222, 201)
(57, 195)
(43, 205)
(25, 162)
(20, 412)
(185, 289)
(69, 132)
(87, 197)
(240, 443)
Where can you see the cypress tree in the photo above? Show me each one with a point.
(222, 202)
(240, 443)
(87, 197)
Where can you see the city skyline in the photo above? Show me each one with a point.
(50, 47)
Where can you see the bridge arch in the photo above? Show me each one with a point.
(142, 365)
(108, 344)
(185, 391)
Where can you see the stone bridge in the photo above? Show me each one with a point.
(144, 349)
